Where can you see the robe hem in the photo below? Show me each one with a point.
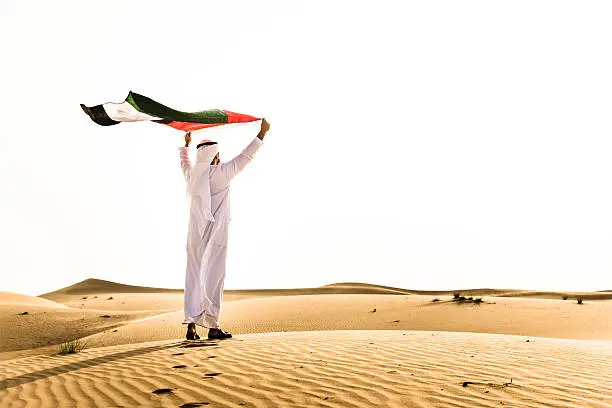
(203, 320)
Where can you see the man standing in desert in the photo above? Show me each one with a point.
(208, 188)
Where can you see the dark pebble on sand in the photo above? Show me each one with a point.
(162, 391)
(212, 374)
(23, 314)
(194, 404)
(179, 366)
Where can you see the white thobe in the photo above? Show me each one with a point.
(206, 253)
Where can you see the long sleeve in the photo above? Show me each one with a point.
(185, 163)
(231, 168)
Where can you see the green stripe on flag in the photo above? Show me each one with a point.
(150, 107)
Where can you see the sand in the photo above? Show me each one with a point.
(28, 322)
(530, 317)
(340, 345)
(322, 369)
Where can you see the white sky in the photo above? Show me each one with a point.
(428, 145)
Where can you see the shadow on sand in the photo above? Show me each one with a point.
(77, 365)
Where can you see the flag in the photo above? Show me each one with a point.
(138, 108)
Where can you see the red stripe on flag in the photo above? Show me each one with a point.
(233, 117)
(191, 126)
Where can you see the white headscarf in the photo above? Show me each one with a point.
(199, 182)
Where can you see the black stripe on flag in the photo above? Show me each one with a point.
(98, 115)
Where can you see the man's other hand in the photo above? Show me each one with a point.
(187, 139)
(265, 126)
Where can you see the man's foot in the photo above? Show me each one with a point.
(191, 332)
(218, 334)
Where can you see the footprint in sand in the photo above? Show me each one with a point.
(194, 404)
(180, 366)
(212, 374)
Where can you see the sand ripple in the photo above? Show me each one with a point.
(322, 369)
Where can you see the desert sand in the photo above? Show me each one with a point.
(341, 345)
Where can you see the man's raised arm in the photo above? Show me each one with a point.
(185, 163)
(235, 166)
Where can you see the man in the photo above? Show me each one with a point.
(208, 188)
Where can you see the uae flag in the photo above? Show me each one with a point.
(138, 108)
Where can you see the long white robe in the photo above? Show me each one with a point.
(206, 254)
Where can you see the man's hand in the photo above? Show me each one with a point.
(265, 126)
(187, 139)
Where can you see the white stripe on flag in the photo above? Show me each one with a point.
(124, 112)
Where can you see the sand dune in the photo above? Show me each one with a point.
(256, 311)
(28, 322)
(322, 369)
(92, 286)
(99, 294)
(9, 298)
(352, 287)
(94, 293)
(161, 302)
(532, 317)
(47, 326)
(557, 295)
(98, 286)
(107, 295)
